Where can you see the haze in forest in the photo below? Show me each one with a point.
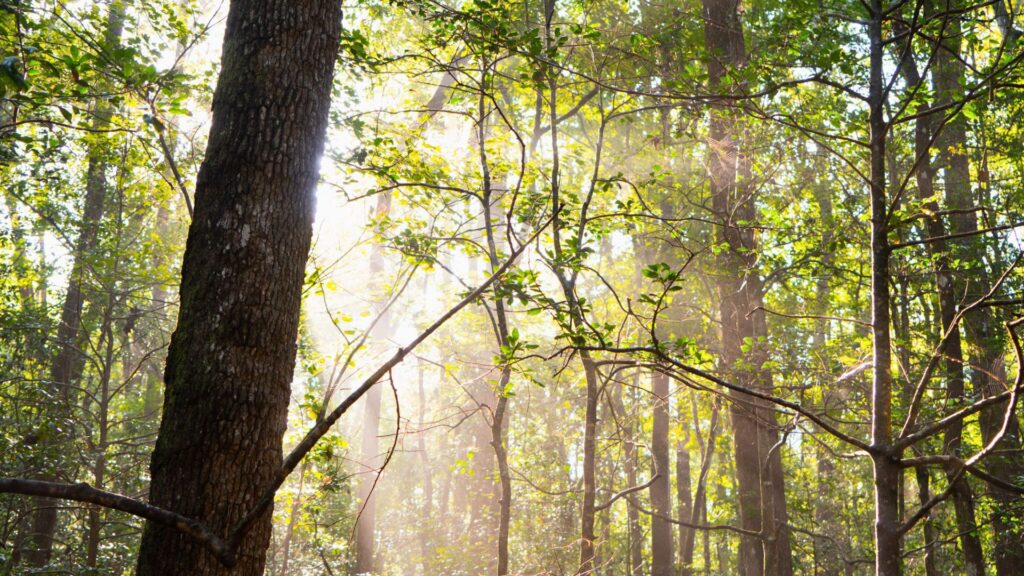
(511, 287)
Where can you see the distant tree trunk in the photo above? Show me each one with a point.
(684, 498)
(293, 517)
(827, 561)
(494, 188)
(982, 332)
(660, 490)
(947, 77)
(922, 476)
(761, 485)
(370, 462)
(232, 356)
(66, 369)
(924, 178)
(567, 282)
(426, 529)
(634, 531)
(103, 429)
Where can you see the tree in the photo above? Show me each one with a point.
(760, 479)
(231, 357)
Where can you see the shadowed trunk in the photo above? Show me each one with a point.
(885, 467)
(947, 77)
(232, 356)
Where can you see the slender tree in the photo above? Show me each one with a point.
(761, 484)
(371, 461)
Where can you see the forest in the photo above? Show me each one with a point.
(511, 287)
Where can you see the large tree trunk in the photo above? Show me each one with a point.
(232, 356)
(760, 480)
(67, 366)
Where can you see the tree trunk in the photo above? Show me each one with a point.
(493, 190)
(371, 461)
(885, 465)
(426, 531)
(660, 490)
(587, 534)
(103, 429)
(947, 76)
(232, 356)
(983, 335)
(760, 482)
(684, 500)
(700, 501)
(634, 530)
(953, 364)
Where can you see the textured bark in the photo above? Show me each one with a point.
(232, 356)
(760, 482)
(660, 489)
(67, 366)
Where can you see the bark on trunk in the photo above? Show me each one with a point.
(232, 356)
